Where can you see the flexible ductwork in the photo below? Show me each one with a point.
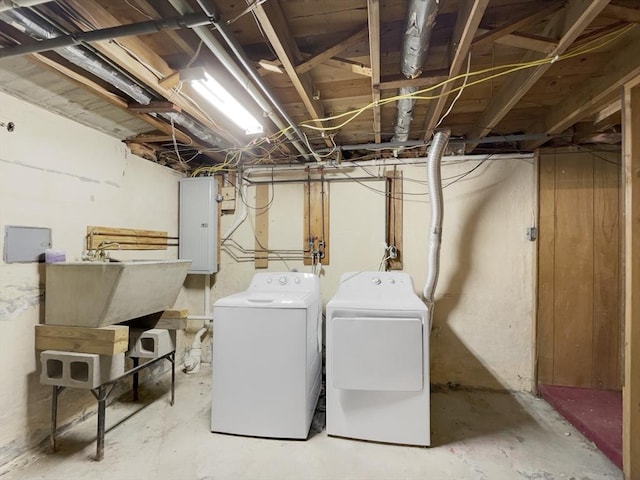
(260, 94)
(434, 182)
(37, 28)
(421, 16)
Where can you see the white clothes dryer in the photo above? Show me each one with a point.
(267, 362)
(378, 360)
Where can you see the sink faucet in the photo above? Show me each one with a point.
(100, 254)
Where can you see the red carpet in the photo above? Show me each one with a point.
(597, 414)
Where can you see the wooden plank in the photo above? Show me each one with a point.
(172, 323)
(262, 226)
(333, 50)
(527, 19)
(620, 12)
(428, 78)
(573, 307)
(349, 65)
(179, 313)
(153, 107)
(579, 14)
(275, 27)
(466, 25)
(593, 94)
(631, 390)
(110, 238)
(607, 325)
(373, 16)
(527, 41)
(546, 269)
(316, 221)
(394, 217)
(109, 340)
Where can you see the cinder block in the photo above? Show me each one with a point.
(153, 343)
(79, 370)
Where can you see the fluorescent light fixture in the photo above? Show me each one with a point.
(220, 98)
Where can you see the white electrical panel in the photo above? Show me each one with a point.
(199, 224)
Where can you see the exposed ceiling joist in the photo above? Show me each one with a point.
(526, 20)
(623, 67)
(349, 65)
(332, 51)
(620, 12)
(609, 116)
(528, 41)
(428, 78)
(578, 15)
(276, 29)
(373, 15)
(466, 25)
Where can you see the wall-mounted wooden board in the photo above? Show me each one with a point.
(393, 227)
(262, 226)
(109, 238)
(316, 221)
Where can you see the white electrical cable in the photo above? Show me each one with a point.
(464, 84)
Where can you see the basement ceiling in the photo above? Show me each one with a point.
(502, 75)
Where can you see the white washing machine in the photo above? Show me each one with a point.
(267, 362)
(378, 360)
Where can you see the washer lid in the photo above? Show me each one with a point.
(268, 299)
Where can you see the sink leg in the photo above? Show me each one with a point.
(54, 416)
(172, 359)
(102, 400)
(136, 362)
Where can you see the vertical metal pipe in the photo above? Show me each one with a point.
(172, 359)
(54, 417)
(136, 362)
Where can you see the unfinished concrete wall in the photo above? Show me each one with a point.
(483, 328)
(58, 174)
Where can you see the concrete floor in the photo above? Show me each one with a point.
(476, 435)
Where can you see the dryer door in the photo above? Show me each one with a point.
(381, 353)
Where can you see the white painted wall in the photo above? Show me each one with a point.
(483, 327)
(59, 174)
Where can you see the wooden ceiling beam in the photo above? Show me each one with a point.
(333, 50)
(428, 78)
(348, 65)
(526, 20)
(527, 41)
(619, 12)
(623, 66)
(275, 27)
(174, 35)
(373, 16)
(467, 23)
(578, 15)
(133, 56)
(609, 116)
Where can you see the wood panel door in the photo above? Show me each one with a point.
(579, 286)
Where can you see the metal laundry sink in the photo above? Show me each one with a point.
(95, 294)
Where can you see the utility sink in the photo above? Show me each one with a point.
(96, 294)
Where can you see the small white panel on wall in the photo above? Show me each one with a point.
(199, 224)
(25, 244)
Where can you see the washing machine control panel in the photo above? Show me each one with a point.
(288, 281)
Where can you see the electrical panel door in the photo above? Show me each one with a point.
(199, 224)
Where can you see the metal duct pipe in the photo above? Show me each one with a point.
(262, 97)
(405, 114)
(11, 4)
(421, 16)
(134, 29)
(38, 29)
(434, 181)
(420, 20)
